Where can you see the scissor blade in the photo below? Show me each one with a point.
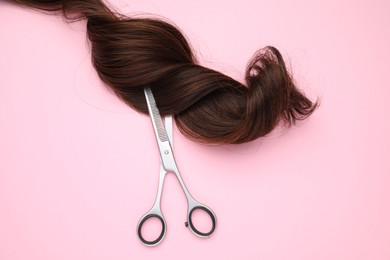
(169, 128)
(155, 115)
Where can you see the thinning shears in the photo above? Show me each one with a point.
(168, 164)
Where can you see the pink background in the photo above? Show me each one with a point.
(78, 168)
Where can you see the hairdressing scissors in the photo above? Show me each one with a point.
(168, 164)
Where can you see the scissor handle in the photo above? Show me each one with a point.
(147, 216)
(191, 225)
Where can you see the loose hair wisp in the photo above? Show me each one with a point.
(209, 107)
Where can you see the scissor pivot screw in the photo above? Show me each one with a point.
(166, 152)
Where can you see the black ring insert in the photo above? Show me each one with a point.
(192, 225)
(140, 227)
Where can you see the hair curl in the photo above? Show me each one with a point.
(209, 107)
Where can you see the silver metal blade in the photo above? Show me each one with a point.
(169, 128)
(155, 115)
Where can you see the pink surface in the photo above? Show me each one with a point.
(78, 168)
